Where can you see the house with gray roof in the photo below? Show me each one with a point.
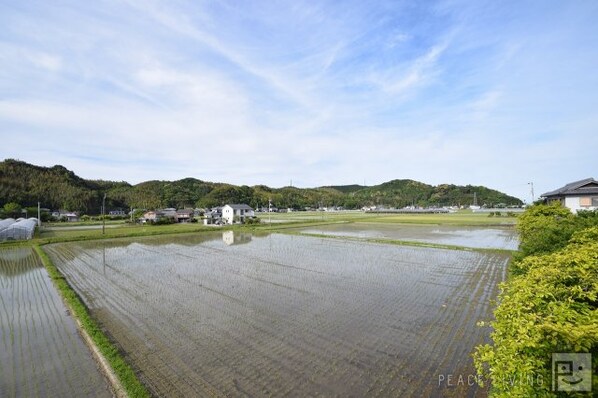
(578, 195)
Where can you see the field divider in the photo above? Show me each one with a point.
(121, 376)
(400, 242)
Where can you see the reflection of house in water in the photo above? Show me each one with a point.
(235, 237)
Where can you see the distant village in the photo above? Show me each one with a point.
(222, 215)
(576, 196)
(242, 213)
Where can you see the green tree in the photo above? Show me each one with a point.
(545, 228)
(12, 209)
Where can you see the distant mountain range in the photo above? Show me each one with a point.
(59, 188)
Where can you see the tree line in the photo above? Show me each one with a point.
(59, 188)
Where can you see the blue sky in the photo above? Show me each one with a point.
(496, 93)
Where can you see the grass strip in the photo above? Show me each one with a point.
(402, 242)
(123, 371)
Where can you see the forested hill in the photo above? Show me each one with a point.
(59, 188)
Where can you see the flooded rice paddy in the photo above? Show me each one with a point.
(41, 352)
(475, 237)
(283, 315)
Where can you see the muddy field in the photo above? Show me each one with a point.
(284, 315)
(476, 237)
(41, 353)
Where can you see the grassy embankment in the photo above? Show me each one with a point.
(109, 351)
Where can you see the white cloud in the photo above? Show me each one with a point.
(27, 57)
(412, 74)
(320, 93)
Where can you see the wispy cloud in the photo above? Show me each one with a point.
(494, 93)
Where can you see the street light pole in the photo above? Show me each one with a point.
(104, 215)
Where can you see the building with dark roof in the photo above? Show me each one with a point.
(578, 195)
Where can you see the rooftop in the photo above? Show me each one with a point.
(240, 207)
(587, 186)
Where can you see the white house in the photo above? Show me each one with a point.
(578, 195)
(70, 216)
(236, 214)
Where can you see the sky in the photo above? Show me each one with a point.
(494, 93)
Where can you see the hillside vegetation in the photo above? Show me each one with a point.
(56, 187)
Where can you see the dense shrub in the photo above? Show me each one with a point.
(252, 220)
(549, 305)
(545, 228)
(164, 221)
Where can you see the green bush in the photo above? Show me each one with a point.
(545, 228)
(252, 220)
(548, 305)
(164, 221)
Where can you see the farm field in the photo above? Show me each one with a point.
(66, 231)
(475, 237)
(463, 218)
(41, 352)
(234, 314)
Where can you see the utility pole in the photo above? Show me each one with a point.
(104, 215)
(532, 185)
(39, 218)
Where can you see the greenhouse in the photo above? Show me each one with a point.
(6, 223)
(19, 230)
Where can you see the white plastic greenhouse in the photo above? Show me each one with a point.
(5, 223)
(22, 229)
